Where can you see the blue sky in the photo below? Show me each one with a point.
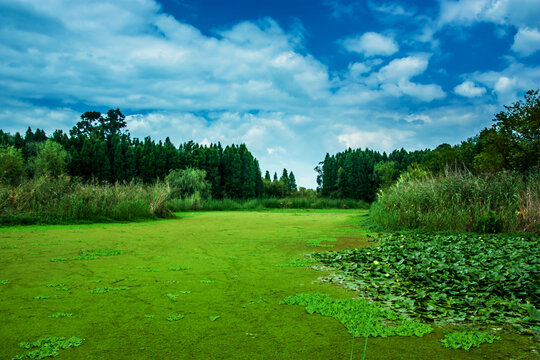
(291, 79)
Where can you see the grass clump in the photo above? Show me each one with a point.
(47, 347)
(447, 278)
(360, 317)
(467, 339)
(3, 282)
(461, 201)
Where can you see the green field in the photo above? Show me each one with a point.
(202, 286)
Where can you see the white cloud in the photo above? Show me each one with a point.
(510, 82)
(469, 89)
(391, 8)
(506, 12)
(416, 118)
(358, 68)
(382, 140)
(371, 44)
(277, 150)
(402, 69)
(526, 41)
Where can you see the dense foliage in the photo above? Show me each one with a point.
(461, 201)
(447, 278)
(100, 148)
(512, 143)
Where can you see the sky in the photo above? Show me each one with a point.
(293, 80)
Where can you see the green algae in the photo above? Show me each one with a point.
(245, 291)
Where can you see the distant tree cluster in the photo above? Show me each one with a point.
(512, 143)
(99, 148)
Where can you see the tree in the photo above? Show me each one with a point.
(51, 160)
(292, 182)
(188, 182)
(520, 126)
(285, 179)
(386, 170)
(11, 165)
(267, 176)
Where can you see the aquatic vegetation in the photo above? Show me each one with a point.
(47, 347)
(467, 339)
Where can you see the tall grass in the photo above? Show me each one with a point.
(460, 201)
(196, 204)
(61, 200)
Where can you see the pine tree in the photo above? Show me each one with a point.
(292, 182)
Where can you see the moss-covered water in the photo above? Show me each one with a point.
(204, 286)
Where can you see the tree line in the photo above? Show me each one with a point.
(512, 143)
(99, 148)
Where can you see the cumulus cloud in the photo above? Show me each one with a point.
(469, 89)
(508, 83)
(395, 79)
(371, 44)
(526, 41)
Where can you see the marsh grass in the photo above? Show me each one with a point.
(64, 200)
(461, 201)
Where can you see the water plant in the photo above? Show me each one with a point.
(360, 317)
(175, 317)
(58, 287)
(179, 268)
(60, 315)
(446, 277)
(294, 262)
(47, 347)
(102, 290)
(467, 339)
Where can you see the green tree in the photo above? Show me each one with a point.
(292, 182)
(387, 172)
(520, 125)
(188, 182)
(51, 160)
(11, 165)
